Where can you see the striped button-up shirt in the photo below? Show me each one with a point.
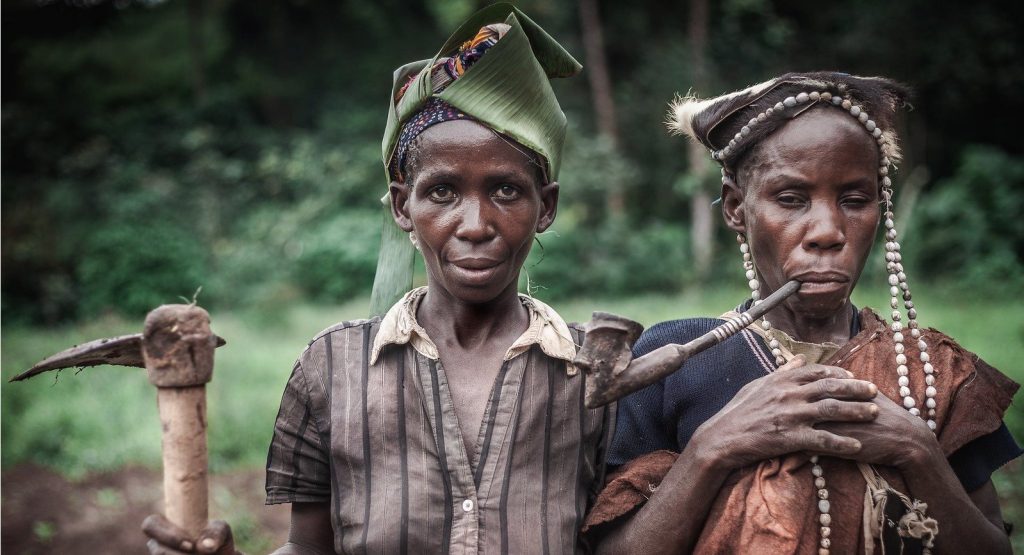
(367, 423)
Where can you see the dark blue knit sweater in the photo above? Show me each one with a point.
(665, 415)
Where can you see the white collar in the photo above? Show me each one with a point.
(547, 330)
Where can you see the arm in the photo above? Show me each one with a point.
(770, 416)
(310, 532)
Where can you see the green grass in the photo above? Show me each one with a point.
(105, 417)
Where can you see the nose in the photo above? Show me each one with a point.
(476, 221)
(826, 229)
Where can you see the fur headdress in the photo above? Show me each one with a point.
(715, 121)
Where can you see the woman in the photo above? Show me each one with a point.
(768, 461)
(455, 423)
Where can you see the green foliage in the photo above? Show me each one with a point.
(44, 530)
(340, 256)
(968, 227)
(135, 266)
(140, 164)
(610, 260)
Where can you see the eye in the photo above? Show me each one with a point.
(856, 201)
(789, 200)
(506, 191)
(441, 193)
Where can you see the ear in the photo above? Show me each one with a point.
(399, 193)
(732, 205)
(549, 205)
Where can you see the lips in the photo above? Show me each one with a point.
(819, 282)
(475, 270)
(821, 277)
(475, 263)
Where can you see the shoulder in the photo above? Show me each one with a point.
(346, 330)
(341, 340)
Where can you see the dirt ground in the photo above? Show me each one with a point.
(43, 512)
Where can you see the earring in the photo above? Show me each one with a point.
(412, 239)
(755, 294)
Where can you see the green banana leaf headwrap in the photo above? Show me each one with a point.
(507, 89)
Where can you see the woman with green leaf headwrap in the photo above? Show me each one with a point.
(454, 423)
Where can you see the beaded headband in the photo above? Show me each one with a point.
(807, 100)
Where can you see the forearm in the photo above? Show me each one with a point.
(963, 527)
(671, 521)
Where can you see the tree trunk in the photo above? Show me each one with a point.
(197, 49)
(601, 91)
(701, 221)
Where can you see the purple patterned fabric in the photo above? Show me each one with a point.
(434, 111)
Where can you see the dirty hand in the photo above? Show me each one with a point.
(895, 438)
(777, 415)
(165, 538)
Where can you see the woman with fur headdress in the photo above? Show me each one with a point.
(820, 428)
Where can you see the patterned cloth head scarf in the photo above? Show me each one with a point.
(443, 73)
(495, 70)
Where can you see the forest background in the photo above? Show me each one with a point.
(150, 148)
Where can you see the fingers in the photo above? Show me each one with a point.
(216, 539)
(154, 547)
(827, 443)
(806, 373)
(847, 389)
(831, 382)
(165, 533)
(794, 363)
(833, 410)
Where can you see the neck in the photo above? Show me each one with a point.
(830, 328)
(450, 320)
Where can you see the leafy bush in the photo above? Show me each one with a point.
(610, 260)
(339, 256)
(135, 266)
(968, 227)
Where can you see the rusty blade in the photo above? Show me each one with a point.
(123, 350)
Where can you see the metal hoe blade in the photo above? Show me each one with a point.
(123, 350)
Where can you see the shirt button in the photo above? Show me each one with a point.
(467, 505)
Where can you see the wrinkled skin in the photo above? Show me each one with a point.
(168, 539)
(474, 218)
(474, 201)
(806, 198)
(807, 203)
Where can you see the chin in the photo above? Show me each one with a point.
(820, 306)
(475, 293)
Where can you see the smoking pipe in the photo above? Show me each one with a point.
(606, 356)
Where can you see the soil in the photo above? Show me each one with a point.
(44, 512)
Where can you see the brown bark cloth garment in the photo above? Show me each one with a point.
(771, 507)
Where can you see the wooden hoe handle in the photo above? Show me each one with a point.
(177, 347)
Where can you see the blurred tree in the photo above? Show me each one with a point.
(701, 221)
(234, 143)
(601, 93)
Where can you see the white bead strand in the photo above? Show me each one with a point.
(898, 287)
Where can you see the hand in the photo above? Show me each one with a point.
(168, 539)
(895, 438)
(776, 415)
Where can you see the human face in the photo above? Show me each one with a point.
(474, 202)
(807, 201)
